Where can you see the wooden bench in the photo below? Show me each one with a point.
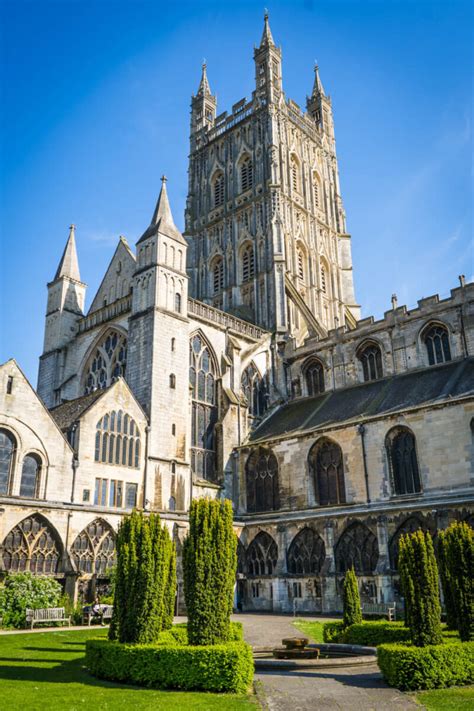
(88, 615)
(387, 609)
(49, 614)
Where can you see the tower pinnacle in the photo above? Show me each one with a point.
(318, 89)
(267, 38)
(162, 220)
(204, 88)
(69, 264)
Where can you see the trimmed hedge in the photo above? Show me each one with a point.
(219, 667)
(368, 634)
(431, 667)
(178, 634)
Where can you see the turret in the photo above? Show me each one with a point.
(319, 105)
(203, 105)
(267, 59)
(66, 298)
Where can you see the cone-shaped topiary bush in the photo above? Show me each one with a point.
(351, 600)
(209, 567)
(446, 582)
(419, 579)
(145, 580)
(457, 546)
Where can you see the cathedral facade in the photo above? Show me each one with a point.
(231, 361)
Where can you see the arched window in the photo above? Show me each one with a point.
(314, 375)
(218, 275)
(295, 173)
(246, 174)
(33, 546)
(218, 189)
(202, 379)
(323, 279)
(301, 269)
(401, 452)
(326, 464)
(93, 550)
(409, 525)
(7, 460)
(262, 481)
(370, 357)
(248, 263)
(117, 440)
(306, 553)
(30, 476)
(107, 363)
(436, 340)
(254, 390)
(177, 303)
(262, 555)
(172, 381)
(358, 548)
(316, 190)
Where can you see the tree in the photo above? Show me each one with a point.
(420, 584)
(351, 599)
(22, 590)
(446, 582)
(209, 568)
(457, 543)
(145, 579)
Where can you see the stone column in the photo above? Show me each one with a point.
(280, 588)
(328, 571)
(385, 592)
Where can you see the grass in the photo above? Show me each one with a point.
(454, 699)
(46, 671)
(314, 630)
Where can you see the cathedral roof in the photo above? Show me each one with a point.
(162, 220)
(69, 264)
(378, 398)
(68, 412)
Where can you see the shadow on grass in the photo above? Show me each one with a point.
(51, 649)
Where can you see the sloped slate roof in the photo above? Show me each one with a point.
(70, 411)
(392, 394)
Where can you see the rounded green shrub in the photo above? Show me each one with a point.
(24, 590)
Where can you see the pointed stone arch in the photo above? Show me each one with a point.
(105, 361)
(34, 546)
(93, 549)
(203, 375)
(306, 553)
(262, 555)
(357, 547)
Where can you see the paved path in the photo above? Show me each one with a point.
(358, 688)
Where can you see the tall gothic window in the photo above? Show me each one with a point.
(326, 464)
(248, 263)
(246, 174)
(323, 279)
(32, 546)
(437, 345)
(262, 555)
(93, 550)
(262, 481)
(409, 525)
(107, 363)
(370, 357)
(300, 259)
(117, 440)
(202, 379)
(218, 189)
(357, 548)
(7, 460)
(294, 173)
(30, 476)
(218, 275)
(253, 387)
(401, 451)
(316, 190)
(306, 553)
(314, 375)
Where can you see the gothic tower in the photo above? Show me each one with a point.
(264, 217)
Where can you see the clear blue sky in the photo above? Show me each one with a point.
(95, 107)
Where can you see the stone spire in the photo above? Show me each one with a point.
(318, 89)
(162, 220)
(69, 265)
(267, 38)
(204, 88)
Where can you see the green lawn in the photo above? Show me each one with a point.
(314, 630)
(461, 698)
(45, 671)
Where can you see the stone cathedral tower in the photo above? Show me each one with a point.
(265, 221)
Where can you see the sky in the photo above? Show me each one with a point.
(95, 100)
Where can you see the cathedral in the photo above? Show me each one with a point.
(232, 361)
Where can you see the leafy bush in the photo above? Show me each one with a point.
(145, 579)
(419, 579)
(457, 565)
(209, 567)
(367, 634)
(219, 667)
(430, 667)
(332, 631)
(22, 590)
(74, 611)
(351, 599)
